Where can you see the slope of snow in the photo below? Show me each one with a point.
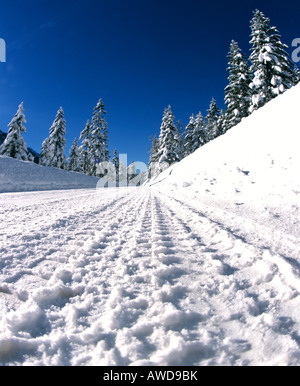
(200, 268)
(252, 171)
(18, 176)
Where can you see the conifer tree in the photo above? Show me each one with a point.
(212, 119)
(14, 145)
(30, 156)
(180, 139)
(116, 160)
(45, 153)
(131, 172)
(99, 136)
(57, 141)
(200, 136)
(196, 135)
(169, 141)
(154, 157)
(188, 141)
(272, 68)
(116, 163)
(221, 129)
(238, 92)
(74, 157)
(296, 75)
(85, 150)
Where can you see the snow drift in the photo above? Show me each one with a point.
(252, 170)
(19, 176)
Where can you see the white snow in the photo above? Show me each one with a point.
(18, 176)
(200, 267)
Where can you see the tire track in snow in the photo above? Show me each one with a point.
(142, 279)
(245, 287)
(68, 279)
(115, 300)
(58, 221)
(174, 338)
(142, 315)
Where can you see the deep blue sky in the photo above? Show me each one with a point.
(139, 56)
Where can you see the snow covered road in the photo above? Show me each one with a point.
(139, 277)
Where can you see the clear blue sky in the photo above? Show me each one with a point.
(139, 56)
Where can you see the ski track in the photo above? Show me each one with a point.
(137, 277)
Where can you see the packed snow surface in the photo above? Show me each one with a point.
(200, 267)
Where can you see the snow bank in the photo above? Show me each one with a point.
(252, 170)
(18, 176)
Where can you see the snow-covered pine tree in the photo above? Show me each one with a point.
(284, 75)
(85, 150)
(99, 136)
(238, 92)
(131, 172)
(74, 157)
(57, 141)
(154, 157)
(180, 140)
(296, 75)
(221, 124)
(30, 156)
(272, 68)
(169, 141)
(200, 136)
(188, 140)
(45, 153)
(14, 145)
(116, 163)
(212, 119)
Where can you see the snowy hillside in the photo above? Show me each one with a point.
(200, 268)
(252, 171)
(18, 176)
